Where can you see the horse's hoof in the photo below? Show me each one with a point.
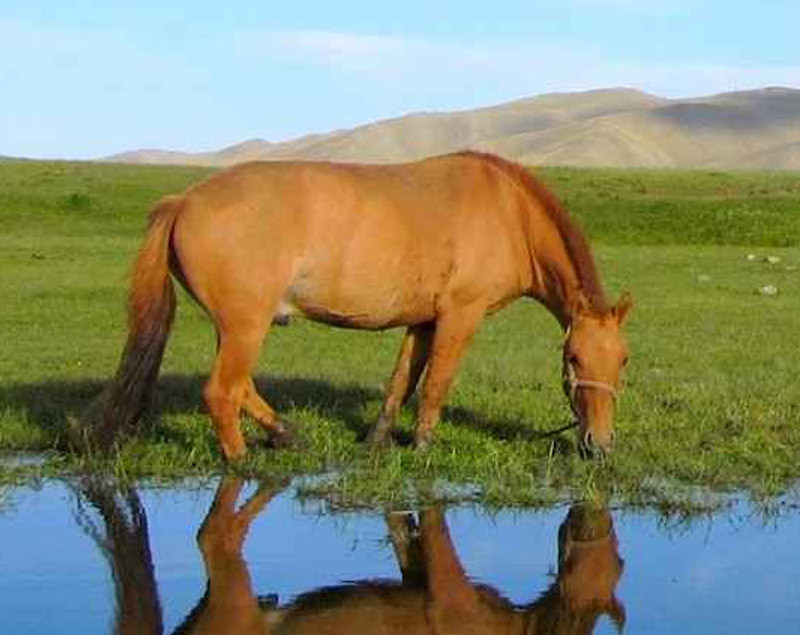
(283, 435)
(233, 457)
(423, 444)
(77, 436)
(379, 442)
(86, 437)
(379, 436)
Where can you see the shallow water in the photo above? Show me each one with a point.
(81, 559)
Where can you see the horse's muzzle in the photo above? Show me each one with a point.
(592, 447)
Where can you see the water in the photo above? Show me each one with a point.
(89, 560)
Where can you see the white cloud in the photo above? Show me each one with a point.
(639, 7)
(64, 57)
(417, 59)
(76, 92)
(349, 51)
(329, 44)
(519, 68)
(70, 87)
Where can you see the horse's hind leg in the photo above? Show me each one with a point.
(410, 363)
(280, 432)
(230, 382)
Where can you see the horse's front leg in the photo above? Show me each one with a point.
(411, 362)
(454, 330)
(404, 536)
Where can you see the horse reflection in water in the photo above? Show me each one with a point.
(435, 595)
(123, 539)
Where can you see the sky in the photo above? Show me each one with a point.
(86, 79)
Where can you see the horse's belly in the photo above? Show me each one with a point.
(360, 306)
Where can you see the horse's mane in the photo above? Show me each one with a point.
(574, 241)
(551, 614)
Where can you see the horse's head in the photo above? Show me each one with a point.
(595, 352)
(589, 565)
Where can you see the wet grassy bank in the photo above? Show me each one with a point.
(711, 399)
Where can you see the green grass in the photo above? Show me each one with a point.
(638, 207)
(712, 397)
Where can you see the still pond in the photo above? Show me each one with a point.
(232, 557)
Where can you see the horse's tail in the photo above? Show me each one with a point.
(151, 308)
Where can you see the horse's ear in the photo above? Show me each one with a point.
(623, 307)
(578, 305)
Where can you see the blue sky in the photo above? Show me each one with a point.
(84, 79)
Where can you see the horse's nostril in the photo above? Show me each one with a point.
(592, 446)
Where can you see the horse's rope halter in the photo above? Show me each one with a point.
(569, 543)
(572, 383)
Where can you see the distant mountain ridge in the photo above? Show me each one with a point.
(617, 127)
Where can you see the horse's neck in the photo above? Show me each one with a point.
(448, 584)
(556, 284)
(564, 273)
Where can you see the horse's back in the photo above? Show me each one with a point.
(389, 609)
(377, 608)
(359, 245)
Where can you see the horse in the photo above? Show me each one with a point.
(433, 246)
(435, 593)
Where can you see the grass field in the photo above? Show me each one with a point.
(712, 402)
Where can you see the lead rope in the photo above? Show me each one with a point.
(571, 379)
(553, 433)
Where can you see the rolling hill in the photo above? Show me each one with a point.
(758, 129)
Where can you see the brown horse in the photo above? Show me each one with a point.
(434, 246)
(435, 595)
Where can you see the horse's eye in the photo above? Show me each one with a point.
(574, 361)
(625, 361)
